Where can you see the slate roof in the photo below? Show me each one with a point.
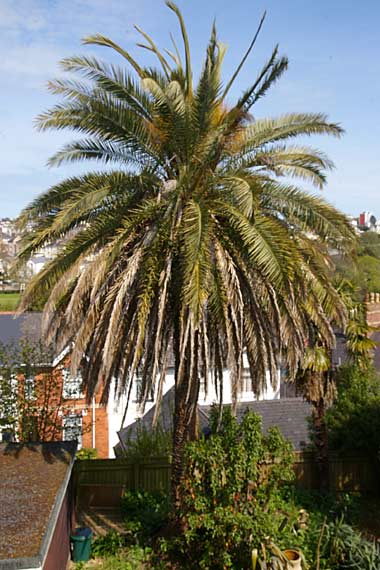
(13, 328)
(33, 483)
(288, 414)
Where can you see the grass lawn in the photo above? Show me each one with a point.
(9, 301)
(117, 562)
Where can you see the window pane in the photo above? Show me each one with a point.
(29, 387)
(72, 428)
(72, 385)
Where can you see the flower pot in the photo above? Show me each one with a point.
(294, 559)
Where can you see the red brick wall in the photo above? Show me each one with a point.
(101, 430)
(80, 406)
(373, 309)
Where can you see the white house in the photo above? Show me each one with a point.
(134, 411)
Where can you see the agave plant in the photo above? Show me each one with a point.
(194, 240)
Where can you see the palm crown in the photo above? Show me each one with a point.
(197, 242)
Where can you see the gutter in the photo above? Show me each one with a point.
(93, 424)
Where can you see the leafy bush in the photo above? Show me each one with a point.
(145, 512)
(354, 419)
(148, 443)
(133, 558)
(109, 544)
(232, 492)
(87, 453)
(329, 535)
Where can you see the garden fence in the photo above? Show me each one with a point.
(102, 482)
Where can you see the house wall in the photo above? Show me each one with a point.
(134, 411)
(100, 423)
(59, 550)
(95, 432)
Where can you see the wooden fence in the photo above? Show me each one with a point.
(102, 482)
(346, 473)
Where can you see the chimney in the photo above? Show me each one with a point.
(372, 303)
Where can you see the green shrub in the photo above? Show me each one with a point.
(108, 545)
(145, 513)
(87, 453)
(232, 493)
(147, 443)
(354, 419)
(133, 558)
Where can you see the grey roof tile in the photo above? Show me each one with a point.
(13, 328)
(288, 414)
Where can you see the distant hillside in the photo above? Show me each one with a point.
(364, 270)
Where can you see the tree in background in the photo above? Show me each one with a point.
(318, 378)
(363, 269)
(317, 384)
(354, 419)
(194, 243)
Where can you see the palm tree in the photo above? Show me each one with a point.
(317, 377)
(317, 383)
(196, 241)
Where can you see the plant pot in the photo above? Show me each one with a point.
(294, 559)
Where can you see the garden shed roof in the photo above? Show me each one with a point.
(33, 482)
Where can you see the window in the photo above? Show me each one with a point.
(246, 381)
(138, 391)
(6, 435)
(29, 388)
(72, 385)
(72, 428)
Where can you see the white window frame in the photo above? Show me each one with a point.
(71, 385)
(246, 381)
(7, 428)
(29, 387)
(136, 391)
(72, 425)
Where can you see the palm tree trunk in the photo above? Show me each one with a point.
(185, 428)
(321, 443)
(181, 433)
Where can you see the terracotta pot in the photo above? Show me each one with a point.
(294, 559)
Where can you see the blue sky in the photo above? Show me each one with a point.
(332, 45)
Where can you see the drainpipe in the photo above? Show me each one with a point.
(93, 423)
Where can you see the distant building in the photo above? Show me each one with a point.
(36, 263)
(367, 221)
